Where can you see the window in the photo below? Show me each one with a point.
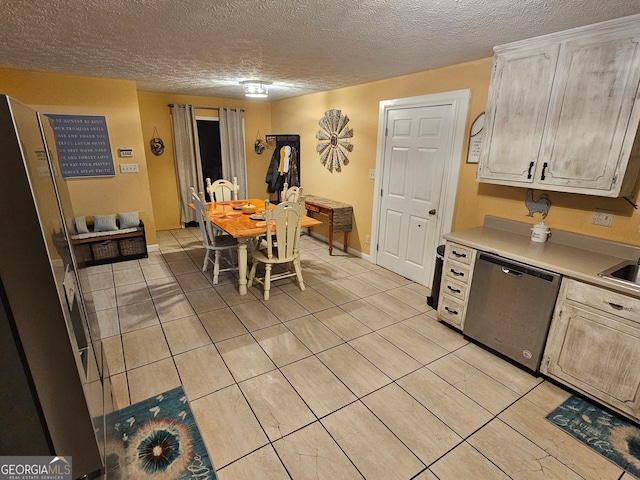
(210, 153)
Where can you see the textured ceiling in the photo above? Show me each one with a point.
(206, 47)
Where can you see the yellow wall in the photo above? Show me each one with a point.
(116, 100)
(361, 104)
(132, 116)
(154, 112)
(570, 212)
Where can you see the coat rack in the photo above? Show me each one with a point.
(275, 178)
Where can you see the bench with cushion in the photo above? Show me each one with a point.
(108, 238)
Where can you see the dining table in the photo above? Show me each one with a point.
(229, 217)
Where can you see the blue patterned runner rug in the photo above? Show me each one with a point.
(610, 435)
(156, 439)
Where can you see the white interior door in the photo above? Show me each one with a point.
(420, 145)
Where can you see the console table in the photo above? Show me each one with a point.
(340, 216)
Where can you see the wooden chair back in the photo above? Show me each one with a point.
(287, 217)
(223, 190)
(290, 194)
(202, 213)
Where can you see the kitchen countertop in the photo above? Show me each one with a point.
(570, 254)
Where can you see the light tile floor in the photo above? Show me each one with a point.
(352, 378)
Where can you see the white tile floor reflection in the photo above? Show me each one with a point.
(353, 378)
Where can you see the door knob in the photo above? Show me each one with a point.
(432, 211)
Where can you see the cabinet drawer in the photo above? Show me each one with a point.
(604, 300)
(455, 289)
(312, 208)
(451, 311)
(459, 253)
(457, 271)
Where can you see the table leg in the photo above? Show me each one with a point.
(346, 236)
(330, 234)
(242, 265)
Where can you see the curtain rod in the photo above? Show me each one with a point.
(209, 108)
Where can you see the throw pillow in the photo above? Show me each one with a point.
(81, 225)
(129, 220)
(104, 223)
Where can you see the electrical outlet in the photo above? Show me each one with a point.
(367, 239)
(128, 168)
(602, 217)
(372, 174)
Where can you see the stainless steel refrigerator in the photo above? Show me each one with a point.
(53, 389)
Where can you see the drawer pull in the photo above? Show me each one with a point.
(616, 306)
(459, 255)
(454, 290)
(459, 274)
(452, 312)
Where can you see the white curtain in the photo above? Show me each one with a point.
(232, 147)
(187, 157)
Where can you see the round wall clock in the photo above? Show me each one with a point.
(333, 140)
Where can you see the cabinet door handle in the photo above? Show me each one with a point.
(459, 255)
(459, 274)
(544, 168)
(530, 168)
(616, 306)
(452, 312)
(454, 290)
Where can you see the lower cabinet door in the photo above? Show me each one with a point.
(598, 355)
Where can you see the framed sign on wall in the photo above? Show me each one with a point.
(476, 135)
(83, 145)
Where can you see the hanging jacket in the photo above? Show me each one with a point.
(293, 175)
(273, 176)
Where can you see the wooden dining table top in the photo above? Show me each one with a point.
(238, 224)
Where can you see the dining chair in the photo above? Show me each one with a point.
(213, 244)
(285, 221)
(223, 190)
(290, 194)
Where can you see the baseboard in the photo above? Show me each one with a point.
(339, 246)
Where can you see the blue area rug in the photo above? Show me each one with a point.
(610, 435)
(156, 439)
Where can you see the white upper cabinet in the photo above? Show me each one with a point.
(516, 112)
(563, 111)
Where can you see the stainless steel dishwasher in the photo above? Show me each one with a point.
(510, 307)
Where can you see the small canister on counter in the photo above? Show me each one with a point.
(540, 232)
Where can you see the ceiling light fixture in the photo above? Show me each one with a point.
(255, 88)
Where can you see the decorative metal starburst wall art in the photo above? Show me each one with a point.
(333, 140)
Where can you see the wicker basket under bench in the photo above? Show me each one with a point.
(115, 247)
